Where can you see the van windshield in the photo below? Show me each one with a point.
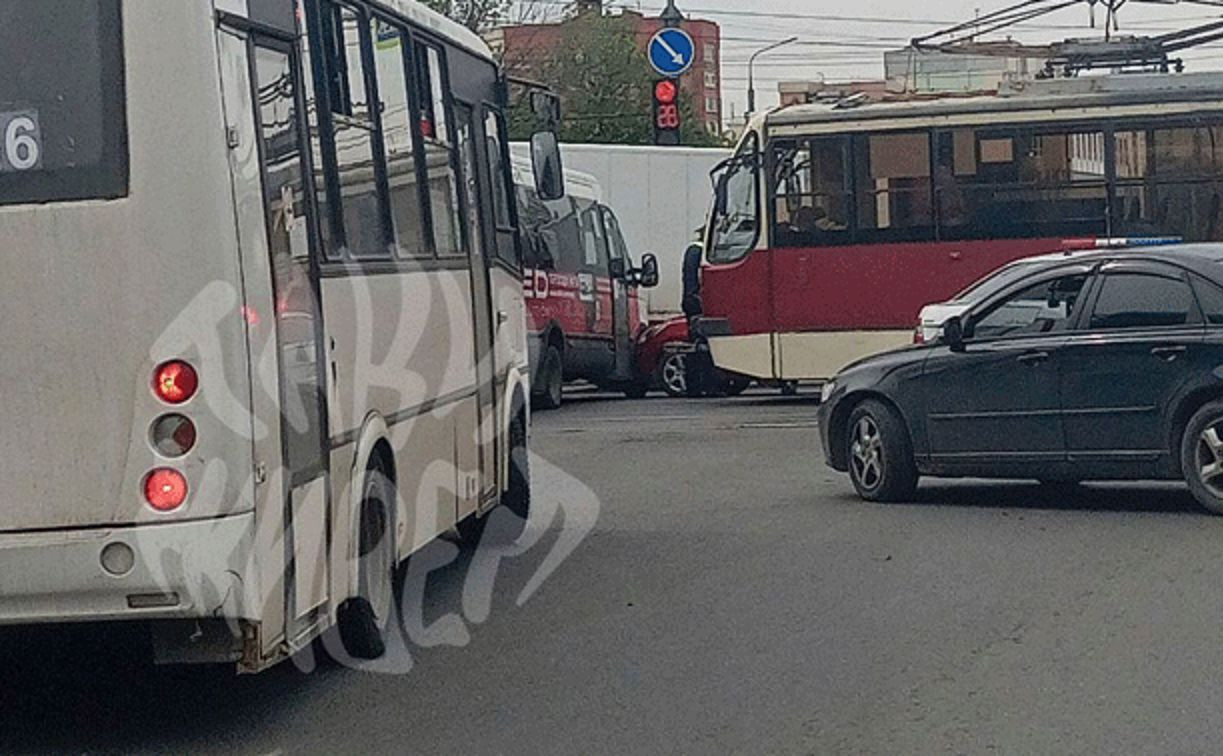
(62, 103)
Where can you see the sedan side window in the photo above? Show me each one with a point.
(1046, 307)
(1137, 300)
(1210, 297)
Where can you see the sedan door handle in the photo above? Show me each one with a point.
(1169, 353)
(1034, 358)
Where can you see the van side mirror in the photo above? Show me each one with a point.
(549, 172)
(618, 268)
(649, 271)
(953, 334)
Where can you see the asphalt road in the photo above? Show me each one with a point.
(705, 585)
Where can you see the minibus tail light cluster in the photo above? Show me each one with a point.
(172, 436)
(175, 382)
(165, 490)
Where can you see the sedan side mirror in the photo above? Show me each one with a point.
(649, 271)
(953, 334)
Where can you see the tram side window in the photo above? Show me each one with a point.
(391, 55)
(1166, 181)
(811, 187)
(439, 154)
(354, 125)
(894, 198)
(1018, 183)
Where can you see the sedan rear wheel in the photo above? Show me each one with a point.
(881, 463)
(1202, 456)
(673, 374)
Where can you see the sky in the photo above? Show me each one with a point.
(845, 39)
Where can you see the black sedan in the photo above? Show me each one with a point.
(1106, 367)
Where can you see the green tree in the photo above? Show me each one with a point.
(605, 83)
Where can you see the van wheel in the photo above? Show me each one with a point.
(1202, 456)
(880, 454)
(551, 394)
(363, 619)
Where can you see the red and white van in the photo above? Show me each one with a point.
(583, 310)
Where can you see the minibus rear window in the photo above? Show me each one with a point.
(63, 131)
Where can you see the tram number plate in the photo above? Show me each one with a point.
(20, 141)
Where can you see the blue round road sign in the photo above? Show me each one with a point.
(672, 52)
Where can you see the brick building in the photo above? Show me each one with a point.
(526, 45)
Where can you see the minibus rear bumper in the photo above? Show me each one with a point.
(148, 571)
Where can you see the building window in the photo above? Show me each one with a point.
(711, 54)
(712, 106)
(711, 80)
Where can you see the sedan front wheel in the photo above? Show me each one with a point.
(881, 463)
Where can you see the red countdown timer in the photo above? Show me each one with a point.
(666, 112)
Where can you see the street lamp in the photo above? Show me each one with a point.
(751, 72)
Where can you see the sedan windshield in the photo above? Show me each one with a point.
(994, 282)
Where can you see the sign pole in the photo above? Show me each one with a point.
(672, 51)
(671, 16)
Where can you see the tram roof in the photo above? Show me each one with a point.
(1060, 99)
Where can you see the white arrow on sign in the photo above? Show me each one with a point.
(677, 57)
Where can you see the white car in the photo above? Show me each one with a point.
(933, 316)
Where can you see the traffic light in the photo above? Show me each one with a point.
(666, 112)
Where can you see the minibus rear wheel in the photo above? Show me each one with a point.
(363, 619)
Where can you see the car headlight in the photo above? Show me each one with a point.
(827, 390)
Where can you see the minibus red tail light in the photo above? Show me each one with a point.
(173, 436)
(165, 490)
(175, 382)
